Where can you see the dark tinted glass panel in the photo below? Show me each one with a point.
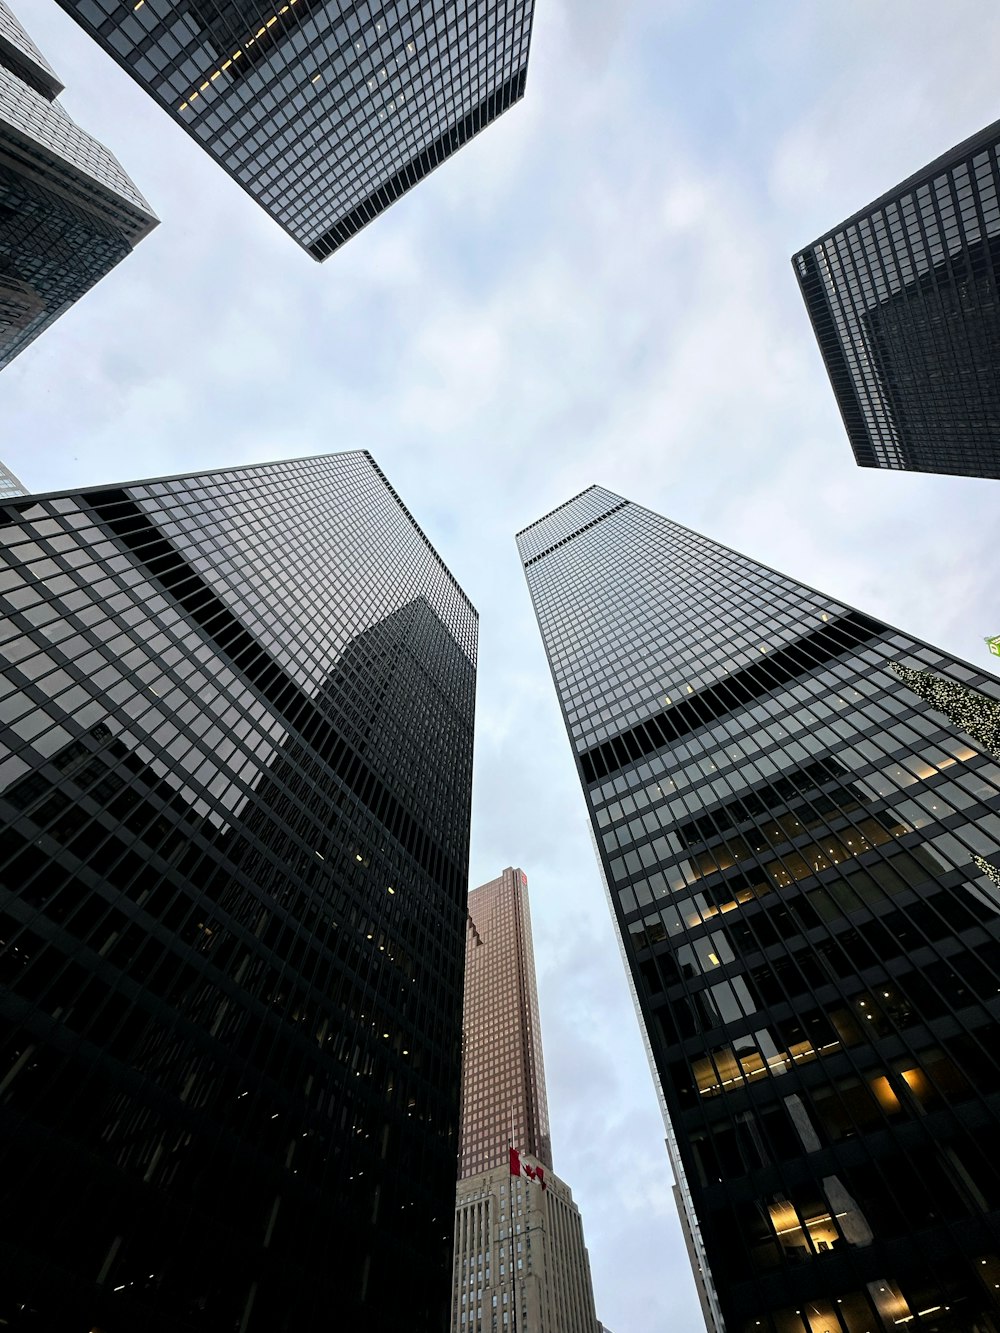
(324, 112)
(904, 299)
(68, 212)
(234, 790)
(797, 812)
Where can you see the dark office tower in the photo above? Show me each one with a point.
(234, 792)
(904, 298)
(68, 213)
(325, 112)
(788, 831)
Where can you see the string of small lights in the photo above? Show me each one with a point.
(971, 711)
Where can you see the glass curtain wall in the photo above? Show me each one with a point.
(797, 813)
(234, 819)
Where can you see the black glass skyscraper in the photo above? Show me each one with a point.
(325, 112)
(798, 820)
(235, 792)
(68, 213)
(904, 298)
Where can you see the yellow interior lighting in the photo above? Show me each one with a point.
(236, 54)
(918, 1083)
(784, 1218)
(884, 1095)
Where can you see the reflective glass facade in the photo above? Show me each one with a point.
(797, 814)
(904, 299)
(68, 212)
(234, 820)
(325, 111)
(503, 1075)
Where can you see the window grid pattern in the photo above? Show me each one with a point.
(503, 1074)
(521, 1262)
(234, 788)
(815, 952)
(548, 532)
(19, 54)
(324, 111)
(68, 212)
(532, 1260)
(904, 299)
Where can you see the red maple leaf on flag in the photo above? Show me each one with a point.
(518, 1168)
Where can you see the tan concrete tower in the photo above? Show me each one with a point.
(521, 1265)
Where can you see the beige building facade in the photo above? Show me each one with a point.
(521, 1265)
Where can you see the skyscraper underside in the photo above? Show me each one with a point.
(904, 299)
(797, 813)
(234, 793)
(324, 112)
(68, 212)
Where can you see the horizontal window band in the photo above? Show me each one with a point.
(408, 175)
(572, 535)
(785, 664)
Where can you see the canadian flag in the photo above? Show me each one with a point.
(519, 1168)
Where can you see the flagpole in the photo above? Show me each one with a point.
(510, 1182)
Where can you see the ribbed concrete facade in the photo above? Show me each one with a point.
(503, 1078)
(520, 1259)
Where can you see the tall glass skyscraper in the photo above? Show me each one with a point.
(234, 822)
(503, 1076)
(904, 298)
(68, 212)
(521, 1264)
(797, 814)
(324, 112)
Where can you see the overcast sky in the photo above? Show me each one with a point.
(598, 289)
